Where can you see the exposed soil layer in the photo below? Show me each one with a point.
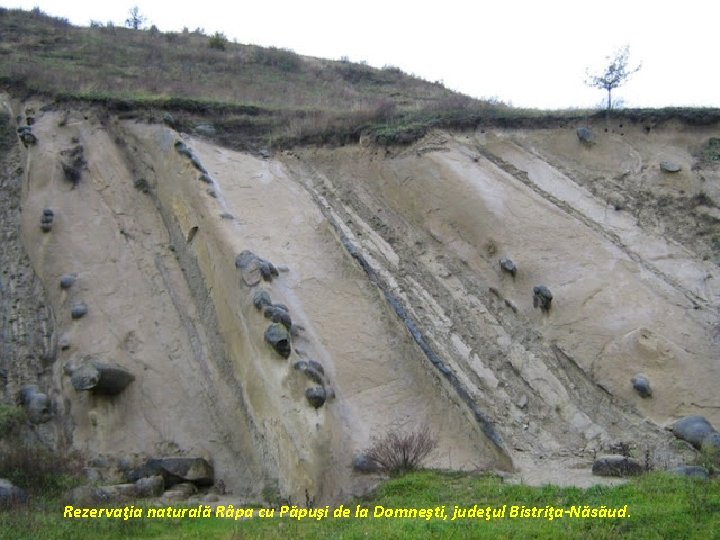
(389, 264)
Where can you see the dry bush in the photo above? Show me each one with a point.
(401, 452)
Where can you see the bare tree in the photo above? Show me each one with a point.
(135, 19)
(614, 75)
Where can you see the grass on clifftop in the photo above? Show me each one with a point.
(47, 55)
(255, 97)
(658, 506)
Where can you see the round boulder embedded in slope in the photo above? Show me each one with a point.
(78, 310)
(269, 311)
(282, 317)
(101, 378)
(46, 221)
(670, 167)
(692, 429)
(244, 259)
(267, 270)
(279, 338)
(585, 135)
(67, 280)
(542, 298)
(507, 266)
(261, 298)
(310, 371)
(316, 396)
(641, 384)
(254, 269)
(28, 138)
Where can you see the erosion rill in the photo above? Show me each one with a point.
(265, 318)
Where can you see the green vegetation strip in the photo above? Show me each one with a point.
(656, 506)
(130, 102)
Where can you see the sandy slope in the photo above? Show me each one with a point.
(430, 222)
(625, 301)
(379, 377)
(141, 314)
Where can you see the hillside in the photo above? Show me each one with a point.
(264, 95)
(384, 204)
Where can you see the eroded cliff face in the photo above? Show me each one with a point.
(141, 312)
(389, 264)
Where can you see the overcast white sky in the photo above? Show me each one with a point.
(528, 53)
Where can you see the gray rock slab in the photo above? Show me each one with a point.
(670, 167)
(692, 429)
(101, 378)
(11, 495)
(175, 470)
(616, 465)
(585, 135)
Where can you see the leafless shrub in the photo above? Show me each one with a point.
(400, 452)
